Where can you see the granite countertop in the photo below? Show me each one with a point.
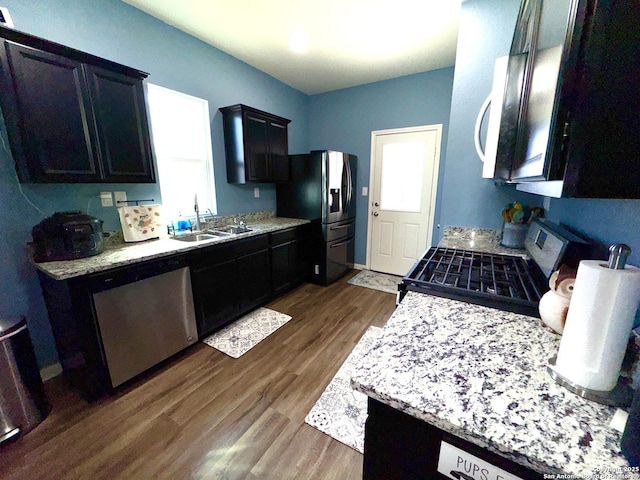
(130, 253)
(490, 389)
(477, 239)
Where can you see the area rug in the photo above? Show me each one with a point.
(377, 281)
(244, 334)
(340, 412)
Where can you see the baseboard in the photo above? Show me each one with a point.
(50, 371)
(359, 266)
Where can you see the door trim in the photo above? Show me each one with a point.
(434, 182)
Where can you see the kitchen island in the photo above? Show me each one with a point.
(480, 375)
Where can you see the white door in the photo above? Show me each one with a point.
(404, 166)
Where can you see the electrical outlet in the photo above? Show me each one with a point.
(106, 199)
(256, 192)
(120, 198)
(316, 269)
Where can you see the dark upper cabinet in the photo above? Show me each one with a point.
(256, 145)
(121, 120)
(51, 134)
(571, 113)
(72, 117)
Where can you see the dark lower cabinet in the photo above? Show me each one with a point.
(290, 258)
(215, 288)
(254, 271)
(76, 333)
(280, 261)
(229, 280)
(399, 446)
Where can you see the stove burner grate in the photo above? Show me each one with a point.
(501, 281)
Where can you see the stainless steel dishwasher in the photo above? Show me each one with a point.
(145, 314)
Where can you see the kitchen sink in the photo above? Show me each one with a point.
(231, 229)
(196, 237)
(225, 231)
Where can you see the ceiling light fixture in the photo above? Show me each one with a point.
(299, 42)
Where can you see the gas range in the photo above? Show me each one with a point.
(506, 282)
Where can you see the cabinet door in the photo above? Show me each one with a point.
(300, 261)
(256, 145)
(118, 103)
(215, 289)
(278, 152)
(49, 118)
(281, 268)
(254, 280)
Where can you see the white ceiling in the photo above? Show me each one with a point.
(350, 42)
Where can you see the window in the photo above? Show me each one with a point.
(182, 144)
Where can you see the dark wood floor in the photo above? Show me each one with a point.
(206, 415)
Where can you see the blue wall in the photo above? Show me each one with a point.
(344, 119)
(114, 30)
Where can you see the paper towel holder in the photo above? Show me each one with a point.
(618, 253)
(620, 396)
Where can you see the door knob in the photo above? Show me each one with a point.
(375, 214)
(376, 204)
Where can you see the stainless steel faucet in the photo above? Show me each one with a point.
(197, 210)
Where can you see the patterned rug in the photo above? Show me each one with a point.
(377, 281)
(340, 412)
(244, 334)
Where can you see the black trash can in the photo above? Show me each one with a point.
(23, 403)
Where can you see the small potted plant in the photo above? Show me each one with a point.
(517, 218)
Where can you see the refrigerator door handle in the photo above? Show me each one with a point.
(345, 186)
(348, 187)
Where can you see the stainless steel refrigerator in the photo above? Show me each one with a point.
(322, 189)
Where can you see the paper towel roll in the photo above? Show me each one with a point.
(599, 322)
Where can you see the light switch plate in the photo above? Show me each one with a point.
(106, 199)
(256, 192)
(365, 191)
(120, 199)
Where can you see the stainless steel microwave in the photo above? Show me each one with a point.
(570, 118)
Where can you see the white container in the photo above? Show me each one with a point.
(514, 234)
